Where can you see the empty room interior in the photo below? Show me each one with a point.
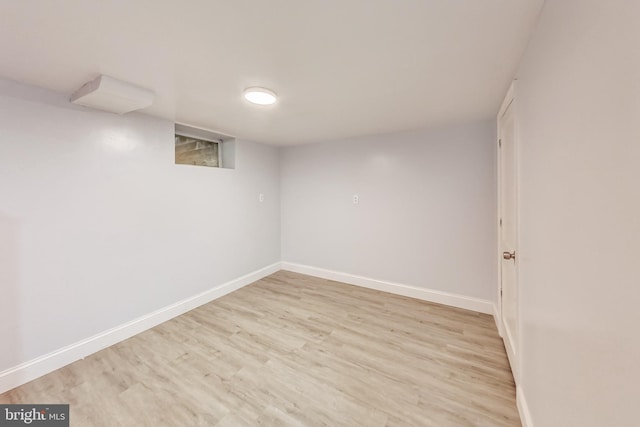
(320, 213)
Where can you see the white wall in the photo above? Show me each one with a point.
(98, 226)
(579, 115)
(426, 215)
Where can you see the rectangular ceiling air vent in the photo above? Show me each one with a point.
(112, 95)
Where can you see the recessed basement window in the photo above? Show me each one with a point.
(200, 147)
(197, 152)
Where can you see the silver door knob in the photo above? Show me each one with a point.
(509, 255)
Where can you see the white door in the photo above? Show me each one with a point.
(508, 230)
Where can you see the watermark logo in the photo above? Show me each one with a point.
(34, 415)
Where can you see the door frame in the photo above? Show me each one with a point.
(512, 353)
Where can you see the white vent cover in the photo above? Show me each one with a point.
(113, 95)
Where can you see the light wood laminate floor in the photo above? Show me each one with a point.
(293, 350)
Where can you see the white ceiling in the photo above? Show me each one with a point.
(341, 68)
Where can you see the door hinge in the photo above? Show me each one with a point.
(500, 143)
(500, 291)
(500, 222)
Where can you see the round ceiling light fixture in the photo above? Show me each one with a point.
(260, 96)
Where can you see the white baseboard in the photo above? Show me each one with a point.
(460, 301)
(25, 372)
(496, 318)
(523, 408)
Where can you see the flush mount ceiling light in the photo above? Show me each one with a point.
(260, 96)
